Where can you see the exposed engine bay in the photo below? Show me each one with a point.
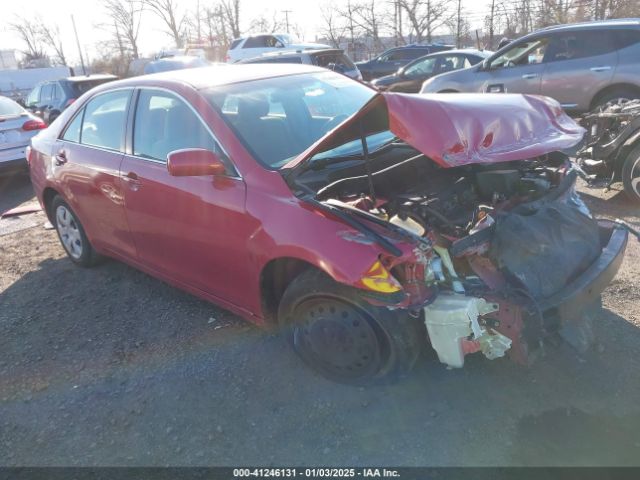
(493, 242)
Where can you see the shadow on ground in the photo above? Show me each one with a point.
(14, 190)
(109, 366)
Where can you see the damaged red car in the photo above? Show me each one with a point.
(365, 225)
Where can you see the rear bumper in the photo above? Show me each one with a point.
(570, 303)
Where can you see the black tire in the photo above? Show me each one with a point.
(615, 96)
(344, 338)
(71, 234)
(631, 174)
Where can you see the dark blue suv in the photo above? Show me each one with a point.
(391, 60)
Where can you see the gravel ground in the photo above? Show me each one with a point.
(108, 366)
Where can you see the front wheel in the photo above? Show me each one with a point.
(342, 337)
(631, 174)
(71, 234)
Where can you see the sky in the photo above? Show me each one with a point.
(89, 15)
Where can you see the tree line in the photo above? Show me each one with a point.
(342, 23)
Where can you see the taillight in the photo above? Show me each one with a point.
(33, 125)
(69, 102)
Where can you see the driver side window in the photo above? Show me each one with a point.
(524, 53)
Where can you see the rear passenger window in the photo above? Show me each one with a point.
(104, 120)
(164, 123)
(256, 42)
(72, 133)
(626, 38)
(571, 46)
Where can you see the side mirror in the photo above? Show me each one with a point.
(194, 162)
(484, 65)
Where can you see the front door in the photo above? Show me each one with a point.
(190, 229)
(519, 69)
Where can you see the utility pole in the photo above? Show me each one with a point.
(198, 18)
(458, 24)
(75, 31)
(286, 17)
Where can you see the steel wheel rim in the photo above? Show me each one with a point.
(69, 232)
(336, 338)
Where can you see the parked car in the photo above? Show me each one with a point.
(582, 65)
(334, 59)
(258, 44)
(48, 99)
(175, 63)
(410, 78)
(17, 126)
(391, 60)
(352, 226)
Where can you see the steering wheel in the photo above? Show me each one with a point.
(335, 121)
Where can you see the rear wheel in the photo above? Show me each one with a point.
(71, 234)
(615, 97)
(344, 338)
(631, 174)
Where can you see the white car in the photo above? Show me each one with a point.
(255, 45)
(17, 126)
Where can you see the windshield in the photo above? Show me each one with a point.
(279, 118)
(288, 39)
(9, 108)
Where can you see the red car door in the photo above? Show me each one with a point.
(87, 162)
(191, 229)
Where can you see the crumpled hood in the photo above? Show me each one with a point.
(460, 129)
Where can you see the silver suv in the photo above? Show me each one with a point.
(581, 65)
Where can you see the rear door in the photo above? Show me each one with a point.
(86, 162)
(519, 69)
(579, 64)
(190, 229)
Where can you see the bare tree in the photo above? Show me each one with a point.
(262, 23)
(167, 11)
(231, 12)
(51, 36)
(29, 33)
(124, 26)
(367, 16)
(426, 16)
(333, 26)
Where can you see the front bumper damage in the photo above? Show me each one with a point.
(460, 324)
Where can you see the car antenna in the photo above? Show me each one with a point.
(367, 166)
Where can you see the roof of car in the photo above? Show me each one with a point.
(86, 78)
(621, 22)
(470, 51)
(218, 75)
(300, 51)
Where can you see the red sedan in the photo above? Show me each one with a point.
(361, 223)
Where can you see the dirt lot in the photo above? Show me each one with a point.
(109, 366)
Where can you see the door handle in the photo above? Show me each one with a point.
(603, 68)
(530, 76)
(132, 179)
(60, 158)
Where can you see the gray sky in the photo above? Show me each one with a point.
(89, 14)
